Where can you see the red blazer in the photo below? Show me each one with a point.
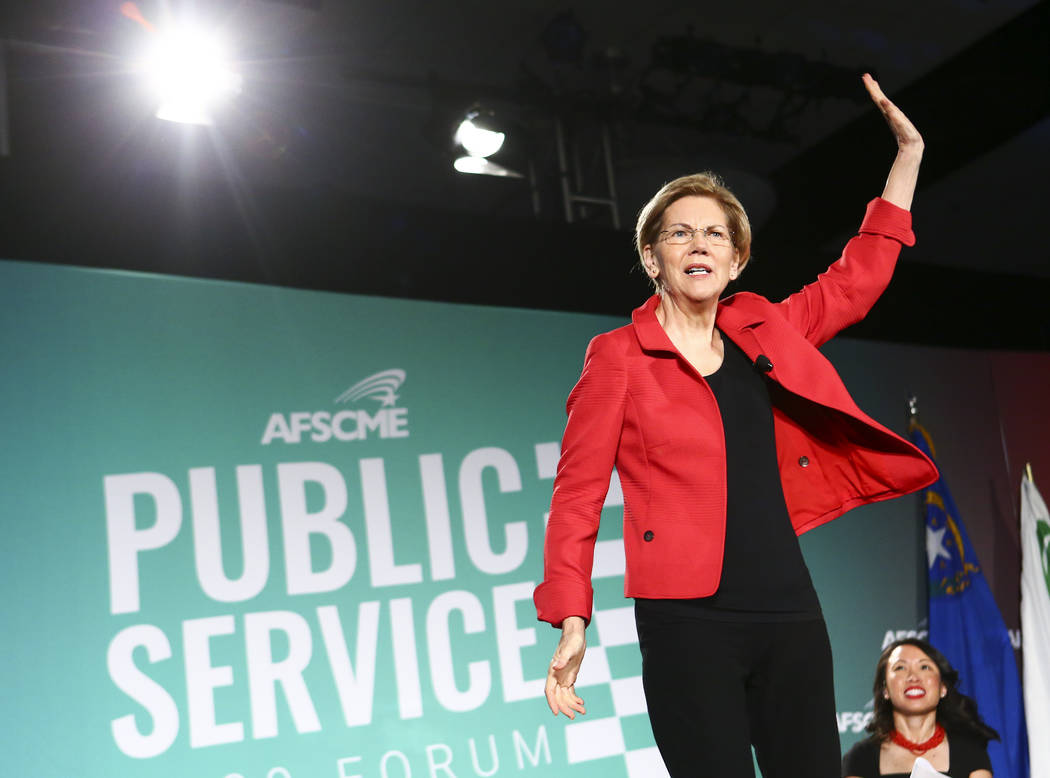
(639, 405)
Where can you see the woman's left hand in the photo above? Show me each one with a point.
(908, 138)
(900, 184)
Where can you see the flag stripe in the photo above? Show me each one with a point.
(1035, 625)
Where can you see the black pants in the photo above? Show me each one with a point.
(715, 688)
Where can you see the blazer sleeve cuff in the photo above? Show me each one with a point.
(556, 603)
(884, 218)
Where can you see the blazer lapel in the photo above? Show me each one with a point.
(743, 327)
(740, 325)
(651, 336)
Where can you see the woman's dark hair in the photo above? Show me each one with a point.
(956, 712)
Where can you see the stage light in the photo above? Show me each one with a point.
(190, 74)
(480, 137)
(483, 167)
(477, 138)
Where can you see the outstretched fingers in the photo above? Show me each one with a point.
(900, 125)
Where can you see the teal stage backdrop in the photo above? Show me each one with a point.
(253, 532)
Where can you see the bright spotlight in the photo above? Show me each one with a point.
(483, 167)
(476, 140)
(190, 73)
(479, 136)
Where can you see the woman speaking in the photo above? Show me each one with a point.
(731, 435)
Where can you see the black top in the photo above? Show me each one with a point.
(764, 577)
(965, 754)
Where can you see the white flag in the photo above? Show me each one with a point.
(1035, 625)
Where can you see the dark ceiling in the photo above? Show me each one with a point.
(332, 168)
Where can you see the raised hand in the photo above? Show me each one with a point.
(900, 184)
(900, 125)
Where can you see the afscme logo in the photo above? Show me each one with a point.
(383, 385)
(387, 421)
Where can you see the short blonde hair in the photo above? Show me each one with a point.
(706, 184)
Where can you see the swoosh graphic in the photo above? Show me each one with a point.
(382, 386)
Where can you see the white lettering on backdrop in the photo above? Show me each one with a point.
(145, 515)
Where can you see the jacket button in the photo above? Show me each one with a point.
(648, 535)
(803, 461)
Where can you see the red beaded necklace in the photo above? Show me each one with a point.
(923, 747)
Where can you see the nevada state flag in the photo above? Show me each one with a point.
(966, 626)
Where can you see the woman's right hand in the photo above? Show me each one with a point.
(564, 667)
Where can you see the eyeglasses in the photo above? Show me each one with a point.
(716, 234)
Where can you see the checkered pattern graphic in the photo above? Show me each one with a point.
(612, 627)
